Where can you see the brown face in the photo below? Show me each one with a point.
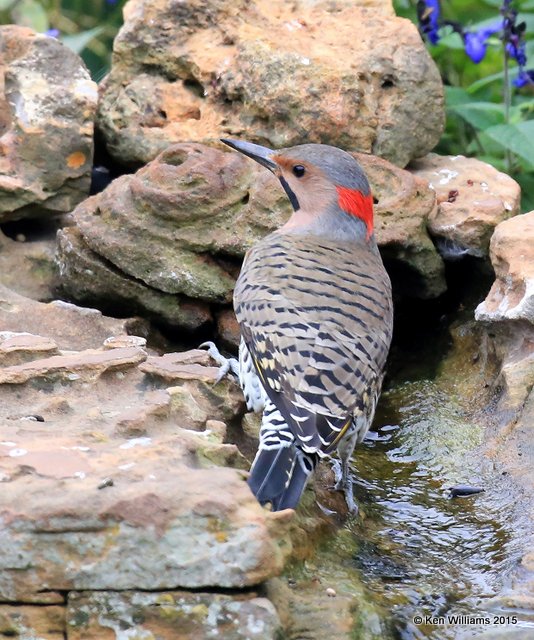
(311, 187)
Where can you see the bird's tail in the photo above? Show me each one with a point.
(280, 470)
(279, 476)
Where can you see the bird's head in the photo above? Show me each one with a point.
(322, 183)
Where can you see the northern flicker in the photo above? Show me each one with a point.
(313, 302)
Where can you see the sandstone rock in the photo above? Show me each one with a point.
(29, 267)
(89, 279)
(228, 329)
(70, 327)
(41, 623)
(512, 256)
(47, 108)
(107, 483)
(170, 615)
(176, 366)
(73, 536)
(404, 205)
(84, 364)
(273, 72)
(120, 342)
(16, 348)
(187, 206)
(473, 198)
(198, 210)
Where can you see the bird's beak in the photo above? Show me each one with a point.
(263, 155)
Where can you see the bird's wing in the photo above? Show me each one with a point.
(318, 344)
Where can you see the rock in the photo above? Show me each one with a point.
(228, 329)
(198, 210)
(84, 365)
(16, 348)
(177, 366)
(404, 205)
(512, 256)
(39, 622)
(186, 205)
(169, 615)
(47, 109)
(29, 267)
(69, 326)
(120, 342)
(107, 482)
(507, 316)
(126, 538)
(89, 279)
(473, 198)
(251, 424)
(277, 73)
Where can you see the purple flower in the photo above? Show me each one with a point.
(517, 50)
(524, 78)
(428, 13)
(476, 42)
(52, 33)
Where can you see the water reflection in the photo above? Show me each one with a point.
(419, 551)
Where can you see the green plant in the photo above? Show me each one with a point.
(86, 27)
(487, 115)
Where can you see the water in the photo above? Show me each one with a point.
(416, 550)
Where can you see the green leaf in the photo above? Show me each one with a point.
(483, 82)
(451, 41)
(78, 41)
(480, 115)
(515, 137)
(456, 95)
(29, 13)
(6, 4)
(526, 181)
(498, 163)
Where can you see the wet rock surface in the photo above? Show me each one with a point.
(47, 109)
(272, 72)
(506, 318)
(472, 197)
(164, 615)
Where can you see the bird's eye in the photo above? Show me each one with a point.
(299, 170)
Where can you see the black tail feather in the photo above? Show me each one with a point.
(278, 477)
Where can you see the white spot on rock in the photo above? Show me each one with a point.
(255, 626)
(447, 175)
(136, 442)
(17, 453)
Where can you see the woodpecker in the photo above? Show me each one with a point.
(313, 302)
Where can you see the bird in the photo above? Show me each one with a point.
(314, 306)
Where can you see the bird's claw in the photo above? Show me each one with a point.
(226, 365)
(343, 482)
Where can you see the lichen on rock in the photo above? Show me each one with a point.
(47, 107)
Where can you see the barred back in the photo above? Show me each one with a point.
(316, 317)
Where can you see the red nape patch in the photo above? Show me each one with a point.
(354, 202)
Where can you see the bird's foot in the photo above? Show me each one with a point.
(343, 482)
(226, 365)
